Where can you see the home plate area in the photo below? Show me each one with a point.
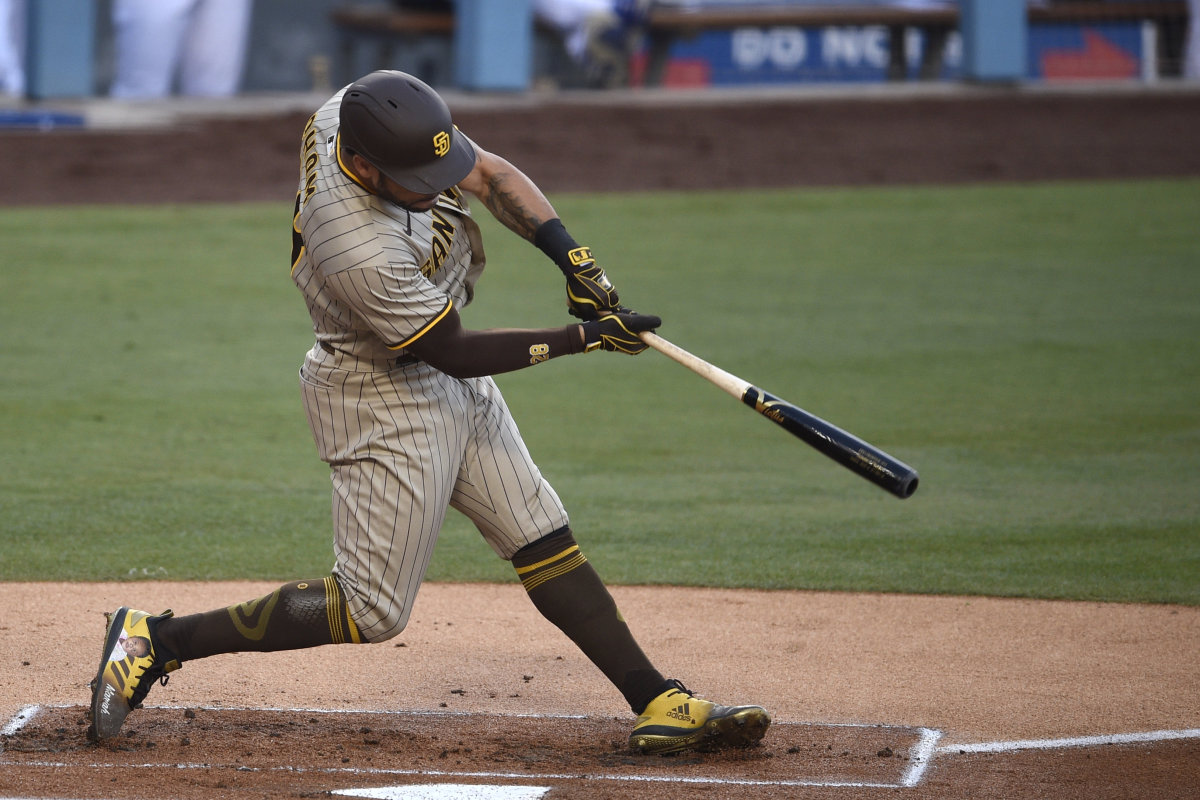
(207, 752)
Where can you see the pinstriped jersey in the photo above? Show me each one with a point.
(374, 275)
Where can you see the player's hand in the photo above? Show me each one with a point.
(589, 291)
(617, 331)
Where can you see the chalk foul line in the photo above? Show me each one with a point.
(921, 756)
(19, 720)
(1075, 741)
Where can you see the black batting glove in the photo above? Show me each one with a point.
(589, 291)
(618, 332)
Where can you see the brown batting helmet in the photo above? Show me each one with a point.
(402, 127)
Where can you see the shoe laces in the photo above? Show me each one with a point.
(679, 689)
(150, 675)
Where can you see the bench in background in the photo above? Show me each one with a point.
(667, 24)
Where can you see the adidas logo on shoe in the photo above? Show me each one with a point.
(682, 713)
(670, 726)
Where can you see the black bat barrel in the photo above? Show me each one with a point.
(845, 448)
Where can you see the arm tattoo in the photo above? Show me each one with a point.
(510, 205)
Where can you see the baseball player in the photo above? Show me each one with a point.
(402, 406)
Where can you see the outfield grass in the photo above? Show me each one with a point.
(1031, 350)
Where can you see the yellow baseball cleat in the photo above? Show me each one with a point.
(129, 665)
(677, 720)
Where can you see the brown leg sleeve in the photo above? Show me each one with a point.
(567, 591)
(296, 615)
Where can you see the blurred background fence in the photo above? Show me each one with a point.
(63, 48)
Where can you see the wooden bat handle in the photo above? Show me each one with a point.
(730, 383)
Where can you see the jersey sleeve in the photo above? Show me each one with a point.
(372, 271)
(396, 305)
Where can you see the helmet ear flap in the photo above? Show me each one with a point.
(403, 128)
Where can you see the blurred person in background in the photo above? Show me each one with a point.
(576, 19)
(12, 47)
(1191, 50)
(933, 42)
(195, 46)
(599, 35)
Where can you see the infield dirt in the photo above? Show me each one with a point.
(848, 677)
(977, 670)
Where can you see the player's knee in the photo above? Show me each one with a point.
(379, 625)
(379, 612)
(380, 621)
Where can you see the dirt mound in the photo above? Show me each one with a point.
(646, 141)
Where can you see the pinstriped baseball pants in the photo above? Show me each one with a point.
(403, 445)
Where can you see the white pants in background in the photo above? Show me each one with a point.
(571, 18)
(1191, 49)
(199, 43)
(12, 47)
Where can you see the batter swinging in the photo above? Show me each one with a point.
(402, 406)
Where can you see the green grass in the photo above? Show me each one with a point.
(1031, 350)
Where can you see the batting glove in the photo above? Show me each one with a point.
(589, 291)
(618, 332)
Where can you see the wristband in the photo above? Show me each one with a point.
(552, 238)
(591, 336)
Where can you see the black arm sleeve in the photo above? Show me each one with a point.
(552, 238)
(461, 353)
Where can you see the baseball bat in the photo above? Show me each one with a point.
(845, 448)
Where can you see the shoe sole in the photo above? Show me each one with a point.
(104, 726)
(744, 728)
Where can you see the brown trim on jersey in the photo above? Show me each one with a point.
(337, 149)
(298, 247)
(424, 328)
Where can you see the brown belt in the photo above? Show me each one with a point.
(403, 361)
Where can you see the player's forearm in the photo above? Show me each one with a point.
(471, 354)
(509, 195)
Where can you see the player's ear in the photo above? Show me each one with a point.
(363, 168)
